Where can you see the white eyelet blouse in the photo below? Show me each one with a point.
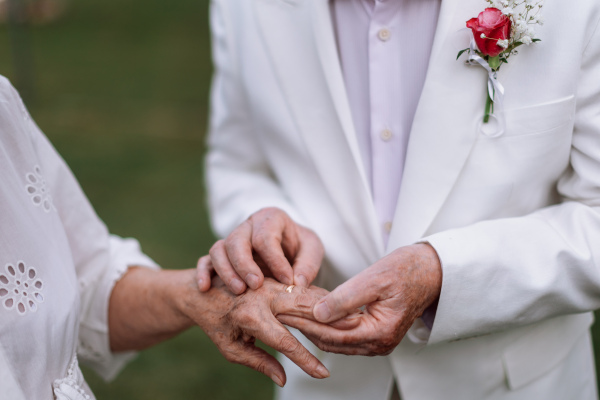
(58, 266)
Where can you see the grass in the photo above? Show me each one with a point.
(121, 89)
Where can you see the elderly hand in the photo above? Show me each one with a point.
(234, 323)
(147, 307)
(395, 290)
(268, 243)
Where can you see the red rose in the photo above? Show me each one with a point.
(495, 26)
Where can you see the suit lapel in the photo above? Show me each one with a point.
(301, 43)
(444, 129)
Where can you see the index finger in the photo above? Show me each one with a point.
(239, 251)
(267, 238)
(361, 334)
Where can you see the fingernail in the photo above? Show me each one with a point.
(278, 381)
(322, 372)
(301, 280)
(252, 281)
(201, 283)
(286, 280)
(237, 285)
(322, 312)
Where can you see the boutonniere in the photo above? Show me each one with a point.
(497, 33)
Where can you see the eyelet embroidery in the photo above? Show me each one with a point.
(38, 190)
(21, 289)
(70, 388)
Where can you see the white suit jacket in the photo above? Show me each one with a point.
(514, 219)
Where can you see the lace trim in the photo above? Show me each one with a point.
(70, 388)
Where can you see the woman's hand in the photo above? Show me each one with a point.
(234, 323)
(148, 306)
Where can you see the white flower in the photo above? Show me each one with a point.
(503, 43)
(508, 11)
(521, 27)
(526, 40)
(483, 36)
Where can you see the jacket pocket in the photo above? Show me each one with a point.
(539, 118)
(542, 347)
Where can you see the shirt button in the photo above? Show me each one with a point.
(384, 34)
(387, 227)
(386, 135)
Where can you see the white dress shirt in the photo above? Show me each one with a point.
(58, 266)
(384, 48)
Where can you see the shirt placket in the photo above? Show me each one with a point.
(386, 133)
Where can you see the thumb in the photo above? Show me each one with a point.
(345, 299)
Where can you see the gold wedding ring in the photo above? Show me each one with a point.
(290, 288)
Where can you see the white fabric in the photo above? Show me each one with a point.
(58, 266)
(384, 50)
(518, 288)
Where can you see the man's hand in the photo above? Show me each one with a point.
(395, 290)
(268, 243)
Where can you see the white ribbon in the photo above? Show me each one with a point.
(495, 91)
(495, 88)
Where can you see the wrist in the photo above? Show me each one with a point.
(430, 264)
(180, 292)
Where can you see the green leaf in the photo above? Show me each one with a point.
(517, 44)
(536, 40)
(494, 62)
(460, 53)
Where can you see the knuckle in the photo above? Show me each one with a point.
(216, 248)
(261, 366)
(262, 240)
(241, 318)
(247, 320)
(234, 357)
(386, 352)
(229, 242)
(288, 344)
(203, 262)
(330, 340)
(304, 301)
(345, 340)
(386, 343)
(273, 211)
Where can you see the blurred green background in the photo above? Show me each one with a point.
(121, 88)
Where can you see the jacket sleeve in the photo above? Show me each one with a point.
(238, 176)
(506, 273)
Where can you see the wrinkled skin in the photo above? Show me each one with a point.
(234, 323)
(269, 243)
(396, 291)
